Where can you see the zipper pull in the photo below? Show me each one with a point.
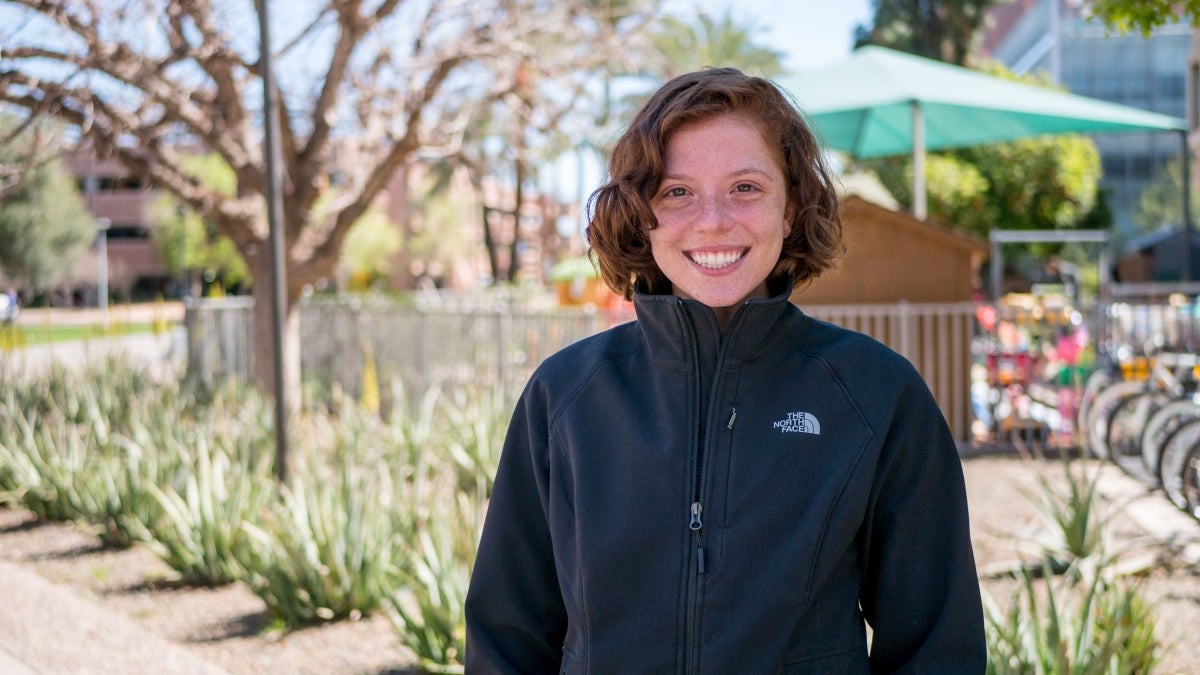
(732, 419)
(695, 523)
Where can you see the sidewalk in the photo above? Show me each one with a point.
(47, 629)
(162, 354)
(142, 312)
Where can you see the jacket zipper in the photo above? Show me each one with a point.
(696, 508)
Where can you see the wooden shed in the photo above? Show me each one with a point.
(892, 256)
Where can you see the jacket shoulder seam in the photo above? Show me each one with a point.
(583, 382)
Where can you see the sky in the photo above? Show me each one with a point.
(812, 33)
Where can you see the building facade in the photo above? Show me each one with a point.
(1058, 37)
(121, 202)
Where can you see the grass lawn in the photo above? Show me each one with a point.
(28, 335)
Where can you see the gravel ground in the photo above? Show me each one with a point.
(224, 626)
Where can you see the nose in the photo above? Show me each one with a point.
(714, 213)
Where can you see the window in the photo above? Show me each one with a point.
(1113, 166)
(112, 183)
(128, 232)
(1141, 167)
(116, 183)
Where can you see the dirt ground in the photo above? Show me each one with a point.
(224, 626)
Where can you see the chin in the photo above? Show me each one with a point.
(719, 302)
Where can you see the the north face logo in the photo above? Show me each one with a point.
(799, 423)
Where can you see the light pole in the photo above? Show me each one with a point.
(274, 195)
(102, 225)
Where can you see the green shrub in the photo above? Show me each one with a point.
(73, 446)
(110, 492)
(119, 494)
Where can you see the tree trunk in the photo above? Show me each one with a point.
(264, 337)
(489, 240)
(514, 264)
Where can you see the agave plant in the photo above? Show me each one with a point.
(111, 491)
(427, 611)
(43, 462)
(1078, 623)
(327, 550)
(202, 532)
(1087, 619)
(475, 422)
(1077, 525)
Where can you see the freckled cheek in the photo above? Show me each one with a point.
(673, 219)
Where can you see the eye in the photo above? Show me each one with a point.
(745, 187)
(675, 192)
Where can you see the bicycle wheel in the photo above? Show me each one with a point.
(1124, 439)
(1097, 381)
(1174, 459)
(1101, 411)
(1190, 481)
(1160, 425)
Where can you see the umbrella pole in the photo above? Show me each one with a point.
(1187, 208)
(918, 165)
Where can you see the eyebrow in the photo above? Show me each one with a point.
(734, 174)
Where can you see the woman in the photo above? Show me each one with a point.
(724, 485)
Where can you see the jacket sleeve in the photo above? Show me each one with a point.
(515, 617)
(920, 589)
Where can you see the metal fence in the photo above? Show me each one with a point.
(503, 342)
(499, 342)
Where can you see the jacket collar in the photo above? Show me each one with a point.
(667, 323)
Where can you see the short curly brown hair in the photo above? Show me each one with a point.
(620, 209)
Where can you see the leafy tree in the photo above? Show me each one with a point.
(1144, 15)
(365, 86)
(1161, 202)
(1047, 182)
(44, 226)
(436, 238)
(186, 240)
(709, 41)
(370, 246)
(945, 31)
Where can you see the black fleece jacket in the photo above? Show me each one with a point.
(674, 499)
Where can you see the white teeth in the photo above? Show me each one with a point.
(715, 261)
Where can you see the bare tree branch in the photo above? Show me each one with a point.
(351, 28)
(400, 79)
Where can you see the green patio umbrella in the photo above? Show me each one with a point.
(881, 102)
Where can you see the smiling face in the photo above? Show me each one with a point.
(722, 213)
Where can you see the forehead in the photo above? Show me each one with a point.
(727, 124)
